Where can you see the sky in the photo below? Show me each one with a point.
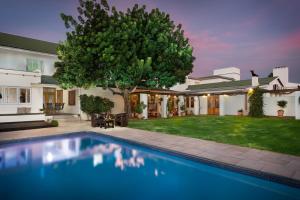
(248, 34)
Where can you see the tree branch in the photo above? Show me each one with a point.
(114, 92)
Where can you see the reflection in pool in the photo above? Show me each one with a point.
(88, 166)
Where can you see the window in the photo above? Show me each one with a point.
(275, 87)
(71, 98)
(34, 65)
(192, 102)
(187, 101)
(24, 95)
(11, 95)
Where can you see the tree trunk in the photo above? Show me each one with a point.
(127, 108)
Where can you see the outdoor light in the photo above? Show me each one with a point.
(208, 95)
(250, 91)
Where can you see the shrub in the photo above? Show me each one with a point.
(170, 105)
(256, 103)
(282, 104)
(140, 107)
(95, 104)
(54, 123)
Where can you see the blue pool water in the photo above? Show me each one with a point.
(88, 166)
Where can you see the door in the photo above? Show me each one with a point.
(49, 95)
(59, 96)
(213, 105)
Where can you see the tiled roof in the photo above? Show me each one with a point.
(48, 80)
(30, 44)
(229, 85)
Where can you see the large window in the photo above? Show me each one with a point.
(11, 95)
(24, 95)
(14, 95)
(34, 65)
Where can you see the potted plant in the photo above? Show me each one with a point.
(282, 104)
(139, 109)
(240, 112)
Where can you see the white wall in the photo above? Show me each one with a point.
(231, 72)
(297, 105)
(15, 59)
(22, 118)
(203, 105)
(144, 100)
(270, 104)
(233, 103)
(18, 79)
(75, 109)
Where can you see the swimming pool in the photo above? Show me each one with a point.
(91, 166)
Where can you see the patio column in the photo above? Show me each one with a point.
(196, 105)
(297, 105)
(222, 105)
(181, 102)
(144, 99)
(164, 106)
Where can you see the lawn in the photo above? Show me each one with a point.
(273, 134)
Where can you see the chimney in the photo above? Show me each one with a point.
(255, 82)
(282, 73)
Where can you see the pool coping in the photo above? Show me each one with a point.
(214, 163)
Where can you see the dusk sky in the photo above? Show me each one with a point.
(253, 34)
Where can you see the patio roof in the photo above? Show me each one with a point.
(48, 80)
(155, 91)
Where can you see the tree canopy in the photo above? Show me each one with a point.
(110, 48)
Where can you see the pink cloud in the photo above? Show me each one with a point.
(290, 43)
(205, 42)
(279, 48)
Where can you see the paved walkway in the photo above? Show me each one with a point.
(264, 161)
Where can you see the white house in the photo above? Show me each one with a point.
(224, 93)
(26, 83)
(27, 87)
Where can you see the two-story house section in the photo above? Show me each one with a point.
(28, 91)
(23, 62)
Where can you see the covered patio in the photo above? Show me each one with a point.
(163, 103)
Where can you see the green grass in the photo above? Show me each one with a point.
(273, 134)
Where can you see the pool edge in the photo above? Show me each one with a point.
(215, 163)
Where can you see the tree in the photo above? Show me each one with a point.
(256, 103)
(122, 50)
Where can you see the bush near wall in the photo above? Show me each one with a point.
(256, 103)
(95, 104)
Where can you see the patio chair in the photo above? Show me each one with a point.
(121, 119)
(50, 108)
